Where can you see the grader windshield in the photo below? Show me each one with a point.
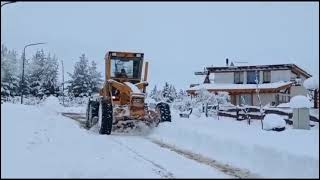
(126, 68)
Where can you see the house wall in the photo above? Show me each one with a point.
(280, 75)
(276, 75)
(224, 77)
(265, 98)
(293, 75)
(298, 90)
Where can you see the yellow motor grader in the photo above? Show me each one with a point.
(120, 105)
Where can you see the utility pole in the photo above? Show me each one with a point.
(62, 82)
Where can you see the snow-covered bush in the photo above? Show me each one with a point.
(273, 121)
(200, 103)
(300, 102)
(184, 104)
(311, 83)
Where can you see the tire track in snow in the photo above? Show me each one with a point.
(160, 170)
(225, 168)
(78, 117)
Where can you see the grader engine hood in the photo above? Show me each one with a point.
(136, 101)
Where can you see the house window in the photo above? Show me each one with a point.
(245, 99)
(251, 77)
(266, 76)
(238, 77)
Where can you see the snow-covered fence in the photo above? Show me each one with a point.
(254, 113)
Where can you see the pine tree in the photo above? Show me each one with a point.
(38, 74)
(172, 93)
(165, 92)
(95, 78)
(153, 92)
(9, 75)
(79, 83)
(49, 84)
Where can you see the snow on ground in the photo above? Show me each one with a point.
(290, 153)
(37, 142)
(287, 105)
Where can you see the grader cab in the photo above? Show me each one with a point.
(120, 105)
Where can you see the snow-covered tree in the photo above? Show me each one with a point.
(166, 91)
(50, 80)
(42, 75)
(204, 96)
(259, 100)
(10, 81)
(80, 79)
(172, 93)
(153, 92)
(35, 72)
(169, 93)
(95, 78)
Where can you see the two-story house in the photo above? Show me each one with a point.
(276, 83)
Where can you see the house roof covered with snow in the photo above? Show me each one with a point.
(242, 88)
(294, 68)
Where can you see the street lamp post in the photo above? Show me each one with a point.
(8, 3)
(62, 82)
(24, 58)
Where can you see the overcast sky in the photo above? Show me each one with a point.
(178, 38)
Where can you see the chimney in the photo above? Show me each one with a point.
(227, 62)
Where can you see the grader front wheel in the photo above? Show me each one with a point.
(91, 113)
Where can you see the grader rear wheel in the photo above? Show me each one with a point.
(164, 110)
(105, 117)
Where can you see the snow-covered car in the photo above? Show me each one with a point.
(274, 122)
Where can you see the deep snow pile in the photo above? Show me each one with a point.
(300, 102)
(52, 105)
(271, 121)
(290, 153)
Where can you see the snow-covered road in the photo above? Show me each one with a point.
(40, 143)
